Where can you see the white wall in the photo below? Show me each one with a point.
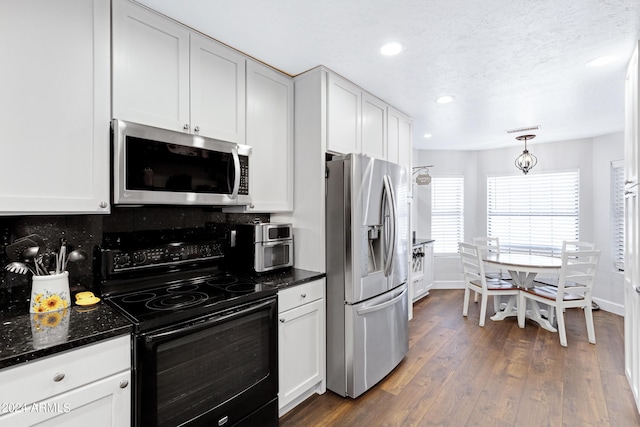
(592, 156)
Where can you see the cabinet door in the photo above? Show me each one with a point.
(393, 125)
(55, 107)
(103, 403)
(150, 68)
(217, 90)
(270, 134)
(343, 115)
(428, 266)
(301, 349)
(404, 143)
(374, 127)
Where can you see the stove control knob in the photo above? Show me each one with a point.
(139, 257)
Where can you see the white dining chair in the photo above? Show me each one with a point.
(475, 280)
(490, 245)
(577, 275)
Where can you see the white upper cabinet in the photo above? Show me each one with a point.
(343, 115)
(217, 90)
(54, 108)
(150, 68)
(270, 134)
(399, 138)
(167, 76)
(374, 127)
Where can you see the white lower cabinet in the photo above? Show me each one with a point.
(87, 386)
(301, 335)
(421, 270)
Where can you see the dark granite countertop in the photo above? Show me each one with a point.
(419, 242)
(27, 336)
(287, 278)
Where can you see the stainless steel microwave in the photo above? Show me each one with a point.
(161, 167)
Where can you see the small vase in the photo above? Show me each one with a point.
(50, 293)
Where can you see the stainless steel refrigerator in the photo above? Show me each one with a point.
(366, 253)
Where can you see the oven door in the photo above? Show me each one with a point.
(215, 371)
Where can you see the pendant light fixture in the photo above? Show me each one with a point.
(525, 161)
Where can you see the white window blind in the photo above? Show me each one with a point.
(617, 213)
(533, 213)
(447, 213)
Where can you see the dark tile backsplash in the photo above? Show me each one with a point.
(85, 232)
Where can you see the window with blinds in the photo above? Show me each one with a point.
(533, 214)
(617, 214)
(447, 213)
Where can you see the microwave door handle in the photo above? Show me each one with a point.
(236, 167)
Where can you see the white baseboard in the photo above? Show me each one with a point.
(448, 284)
(611, 307)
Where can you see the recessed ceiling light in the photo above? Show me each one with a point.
(445, 99)
(427, 135)
(601, 61)
(391, 49)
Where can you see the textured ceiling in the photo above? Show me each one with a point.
(509, 63)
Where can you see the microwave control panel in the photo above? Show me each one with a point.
(244, 175)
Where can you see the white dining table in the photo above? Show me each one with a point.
(523, 269)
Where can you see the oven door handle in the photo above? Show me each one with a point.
(209, 321)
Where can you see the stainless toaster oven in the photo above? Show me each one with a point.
(261, 247)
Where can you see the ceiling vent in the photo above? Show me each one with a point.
(527, 129)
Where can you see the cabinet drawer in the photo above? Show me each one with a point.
(33, 381)
(301, 294)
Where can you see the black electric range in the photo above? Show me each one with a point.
(206, 342)
(156, 282)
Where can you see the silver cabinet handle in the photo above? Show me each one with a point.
(186, 126)
(124, 384)
(303, 295)
(637, 288)
(282, 320)
(103, 205)
(196, 129)
(59, 376)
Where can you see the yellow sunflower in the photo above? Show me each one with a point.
(52, 319)
(40, 309)
(38, 299)
(53, 303)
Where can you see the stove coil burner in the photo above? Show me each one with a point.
(241, 288)
(222, 281)
(143, 296)
(176, 300)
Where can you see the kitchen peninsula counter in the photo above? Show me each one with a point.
(28, 336)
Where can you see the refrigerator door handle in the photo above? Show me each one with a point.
(394, 220)
(383, 305)
(389, 226)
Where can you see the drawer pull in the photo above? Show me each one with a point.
(282, 320)
(303, 295)
(59, 376)
(124, 384)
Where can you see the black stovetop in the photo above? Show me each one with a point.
(174, 301)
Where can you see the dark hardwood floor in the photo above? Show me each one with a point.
(459, 374)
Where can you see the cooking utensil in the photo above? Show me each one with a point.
(18, 268)
(15, 251)
(31, 254)
(75, 255)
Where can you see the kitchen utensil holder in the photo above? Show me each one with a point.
(50, 293)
